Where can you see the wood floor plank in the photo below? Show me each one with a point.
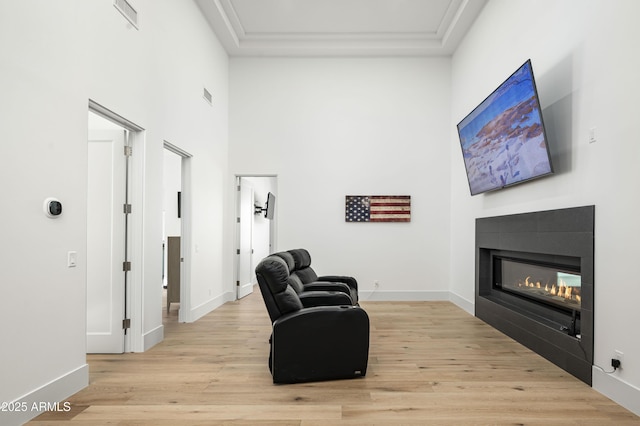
(430, 363)
(179, 413)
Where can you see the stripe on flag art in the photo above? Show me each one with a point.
(378, 208)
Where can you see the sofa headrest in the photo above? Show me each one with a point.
(288, 258)
(273, 271)
(301, 257)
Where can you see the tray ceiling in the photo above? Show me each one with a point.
(340, 27)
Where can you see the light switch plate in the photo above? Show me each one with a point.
(72, 259)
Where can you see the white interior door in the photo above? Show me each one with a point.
(106, 241)
(245, 213)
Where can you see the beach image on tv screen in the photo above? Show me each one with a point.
(503, 139)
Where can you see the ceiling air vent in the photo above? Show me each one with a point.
(207, 97)
(127, 11)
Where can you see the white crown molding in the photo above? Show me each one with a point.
(227, 24)
(464, 17)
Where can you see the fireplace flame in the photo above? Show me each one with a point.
(561, 289)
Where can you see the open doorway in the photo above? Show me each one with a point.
(171, 234)
(176, 234)
(255, 233)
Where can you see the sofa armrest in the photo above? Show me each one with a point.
(350, 281)
(324, 298)
(320, 343)
(327, 286)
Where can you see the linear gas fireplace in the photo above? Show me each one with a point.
(555, 285)
(534, 282)
(552, 290)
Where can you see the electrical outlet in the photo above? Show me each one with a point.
(616, 361)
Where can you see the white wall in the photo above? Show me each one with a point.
(55, 57)
(585, 61)
(334, 127)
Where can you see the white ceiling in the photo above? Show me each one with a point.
(340, 27)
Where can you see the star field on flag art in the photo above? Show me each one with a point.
(357, 208)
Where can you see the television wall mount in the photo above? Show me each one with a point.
(257, 209)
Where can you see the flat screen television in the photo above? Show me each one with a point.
(503, 139)
(270, 208)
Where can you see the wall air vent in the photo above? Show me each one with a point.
(127, 11)
(207, 97)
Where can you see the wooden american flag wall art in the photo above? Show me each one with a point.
(377, 208)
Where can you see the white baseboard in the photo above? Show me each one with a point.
(423, 296)
(153, 337)
(48, 397)
(208, 306)
(616, 389)
(402, 296)
(462, 303)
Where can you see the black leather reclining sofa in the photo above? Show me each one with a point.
(302, 269)
(303, 279)
(324, 338)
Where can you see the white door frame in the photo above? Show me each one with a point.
(134, 338)
(184, 313)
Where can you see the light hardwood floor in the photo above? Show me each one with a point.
(429, 363)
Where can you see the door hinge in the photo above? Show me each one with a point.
(237, 283)
(238, 188)
(237, 220)
(126, 266)
(237, 251)
(126, 323)
(127, 208)
(128, 151)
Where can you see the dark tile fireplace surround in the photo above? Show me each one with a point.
(560, 330)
